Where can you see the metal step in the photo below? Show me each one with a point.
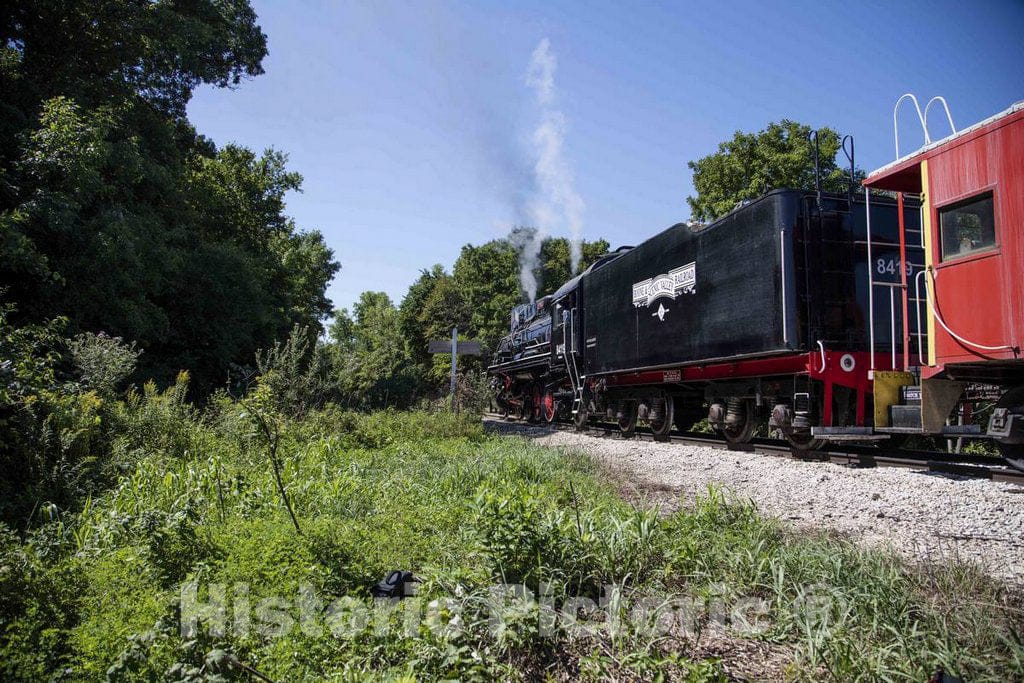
(905, 416)
(847, 434)
(962, 430)
(841, 431)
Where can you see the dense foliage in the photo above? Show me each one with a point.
(133, 250)
(105, 592)
(117, 215)
(750, 164)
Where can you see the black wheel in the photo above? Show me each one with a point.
(663, 425)
(1013, 453)
(803, 441)
(627, 424)
(743, 431)
(581, 417)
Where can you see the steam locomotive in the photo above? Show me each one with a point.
(834, 317)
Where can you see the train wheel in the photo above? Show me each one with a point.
(536, 409)
(742, 429)
(803, 441)
(663, 425)
(548, 406)
(580, 418)
(627, 423)
(1013, 453)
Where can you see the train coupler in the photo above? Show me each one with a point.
(1006, 427)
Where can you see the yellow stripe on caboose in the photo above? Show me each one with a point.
(926, 232)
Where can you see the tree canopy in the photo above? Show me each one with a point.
(750, 164)
(117, 215)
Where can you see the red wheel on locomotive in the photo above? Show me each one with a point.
(548, 406)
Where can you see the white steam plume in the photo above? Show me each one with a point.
(526, 242)
(556, 199)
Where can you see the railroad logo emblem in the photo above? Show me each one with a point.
(681, 280)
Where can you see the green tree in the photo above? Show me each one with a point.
(50, 425)
(750, 164)
(445, 308)
(488, 276)
(556, 266)
(96, 51)
(382, 375)
(411, 313)
(298, 373)
(342, 332)
(117, 215)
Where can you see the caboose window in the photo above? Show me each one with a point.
(967, 227)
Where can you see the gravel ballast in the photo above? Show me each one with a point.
(924, 517)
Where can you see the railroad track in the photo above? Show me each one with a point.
(938, 462)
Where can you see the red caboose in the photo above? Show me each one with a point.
(971, 187)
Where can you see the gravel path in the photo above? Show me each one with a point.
(925, 517)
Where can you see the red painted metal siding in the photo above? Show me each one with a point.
(753, 367)
(980, 295)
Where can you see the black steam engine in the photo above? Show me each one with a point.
(892, 310)
(763, 313)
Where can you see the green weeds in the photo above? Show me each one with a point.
(605, 590)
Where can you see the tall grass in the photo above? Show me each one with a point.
(95, 594)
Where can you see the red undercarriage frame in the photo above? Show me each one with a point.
(827, 368)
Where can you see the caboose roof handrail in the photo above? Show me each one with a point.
(945, 106)
(874, 176)
(920, 117)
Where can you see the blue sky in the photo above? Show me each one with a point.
(413, 122)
